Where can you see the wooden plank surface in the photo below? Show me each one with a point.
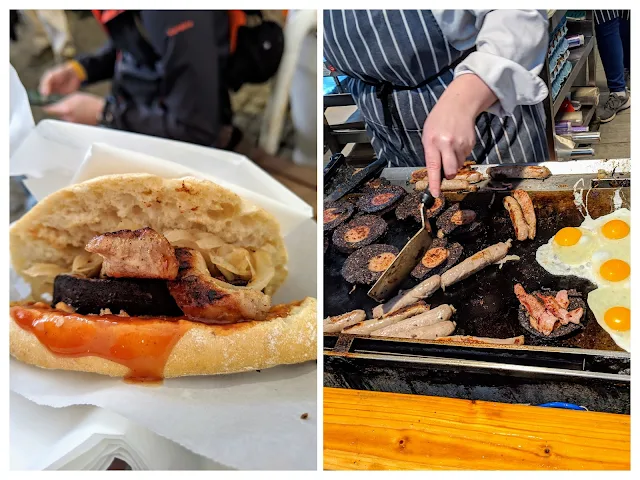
(379, 431)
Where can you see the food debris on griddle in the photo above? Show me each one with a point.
(411, 204)
(453, 218)
(381, 200)
(335, 214)
(438, 259)
(367, 265)
(359, 232)
(376, 184)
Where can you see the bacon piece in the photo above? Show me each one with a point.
(540, 319)
(562, 297)
(555, 309)
(140, 253)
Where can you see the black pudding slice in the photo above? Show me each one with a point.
(367, 265)
(440, 257)
(381, 200)
(335, 214)
(359, 232)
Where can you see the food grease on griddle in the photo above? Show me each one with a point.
(453, 218)
(440, 257)
(335, 214)
(358, 233)
(367, 265)
(411, 204)
(381, 200)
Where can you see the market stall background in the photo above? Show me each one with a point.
(248, 103)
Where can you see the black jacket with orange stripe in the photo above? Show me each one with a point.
(167, 71)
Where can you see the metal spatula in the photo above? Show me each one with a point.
(412, 252)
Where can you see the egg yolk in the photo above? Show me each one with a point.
(615, 270)
(618, 318)
(568, 236)
(615, 229)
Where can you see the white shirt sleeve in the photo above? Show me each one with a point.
(20, 116)
(511, 48)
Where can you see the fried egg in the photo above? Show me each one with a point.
(569, 252)
(599, 250)
(613, 231)
(612, 308)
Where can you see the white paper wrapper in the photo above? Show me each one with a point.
(82, 437)
(243, 421)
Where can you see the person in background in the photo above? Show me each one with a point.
(445, 86)
(167, 72)
(20, 125)
(613, 36)
(51, 32)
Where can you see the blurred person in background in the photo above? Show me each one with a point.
(170, 73)
(51, 32)
(613, 36)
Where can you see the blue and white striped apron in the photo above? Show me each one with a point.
(405, 48)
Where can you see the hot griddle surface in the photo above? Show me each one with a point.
(485, 303)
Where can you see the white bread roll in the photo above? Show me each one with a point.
(202, 350)
(57, 229)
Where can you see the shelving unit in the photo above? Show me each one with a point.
(583, 73)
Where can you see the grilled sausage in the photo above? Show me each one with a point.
(470, 176)
(510, 171)
(448, 185)
(439, 314)
(368, 326)
(210, 300)
(528, 211)
(431, 332)
(475, 263)
(517, 218)
(482, 340)
(467, 174)
(337, 323)
(423, 290)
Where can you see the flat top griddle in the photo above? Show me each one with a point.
(485, 303)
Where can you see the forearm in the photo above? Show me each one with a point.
(98, 66)
(470, 94)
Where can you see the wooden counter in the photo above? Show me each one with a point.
(375, 431)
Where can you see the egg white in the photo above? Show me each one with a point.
(601, 300)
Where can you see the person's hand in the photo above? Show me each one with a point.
(81, 108)
(449, 131)
(61, 80)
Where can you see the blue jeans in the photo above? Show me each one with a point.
(614, 45)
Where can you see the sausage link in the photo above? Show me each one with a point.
(475, 263)
(517, 218)
(509, 171)
(439, 314)
(528, 211)
(337, 323)
(423, 290)
(430, 332)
